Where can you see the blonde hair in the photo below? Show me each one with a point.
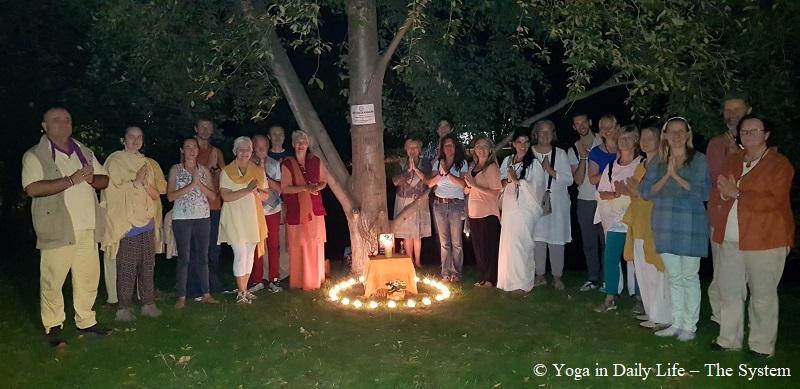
(492, 158)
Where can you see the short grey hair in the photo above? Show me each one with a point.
(241, 141)
(297, 134)
(539, 125)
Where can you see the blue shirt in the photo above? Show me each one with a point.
(679, 221)
(279, 156)
(136, 231)
(601, 158)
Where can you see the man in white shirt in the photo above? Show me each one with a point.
(62, 177)
(591, 234)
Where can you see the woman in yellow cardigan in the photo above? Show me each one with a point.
(134, 216)
(243, 186)
(639, 244)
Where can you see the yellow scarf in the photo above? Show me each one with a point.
(253, 172)
(128, 206)
(160, 183)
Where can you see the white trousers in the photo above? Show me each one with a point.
(653, 287)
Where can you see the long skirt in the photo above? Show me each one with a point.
(306, 244)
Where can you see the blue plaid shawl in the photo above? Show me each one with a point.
(680, 223)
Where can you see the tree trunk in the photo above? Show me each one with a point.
(369, 172)
(363, 195)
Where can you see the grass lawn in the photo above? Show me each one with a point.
(479, 338)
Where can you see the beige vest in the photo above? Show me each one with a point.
(51, 220)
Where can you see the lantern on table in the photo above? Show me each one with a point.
(386, 243)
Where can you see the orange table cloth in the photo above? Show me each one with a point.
(380, 270)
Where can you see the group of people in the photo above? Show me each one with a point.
(248, 203)
(646, 197)
(643, 196)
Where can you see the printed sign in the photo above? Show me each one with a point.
(362, 114)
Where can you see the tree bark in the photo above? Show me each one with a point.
(369, 168)
(362, 194)
(308, 121)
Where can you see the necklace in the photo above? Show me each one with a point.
(751, 162)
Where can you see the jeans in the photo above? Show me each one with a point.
(191, 238)
(450, 226)
(592, 238)
(215, 285)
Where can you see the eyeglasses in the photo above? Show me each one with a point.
(750, 132)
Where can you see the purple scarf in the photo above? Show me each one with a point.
(72, 147)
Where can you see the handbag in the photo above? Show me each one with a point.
(547, 206)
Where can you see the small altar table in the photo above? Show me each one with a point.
(380, 270)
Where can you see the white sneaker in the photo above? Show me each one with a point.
(241, 298)
(685, 336)
(588, 285)
(273, 288)
(249, 295)
(648, 324)
(669, 331)
(256, 287)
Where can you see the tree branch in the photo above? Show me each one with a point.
(307, 119)
(407, 210)
(383, 62)
(612, 82)
(386, 57)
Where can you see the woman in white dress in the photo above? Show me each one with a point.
(522, 177)
(553, 230)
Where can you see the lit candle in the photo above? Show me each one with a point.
(387, 242)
